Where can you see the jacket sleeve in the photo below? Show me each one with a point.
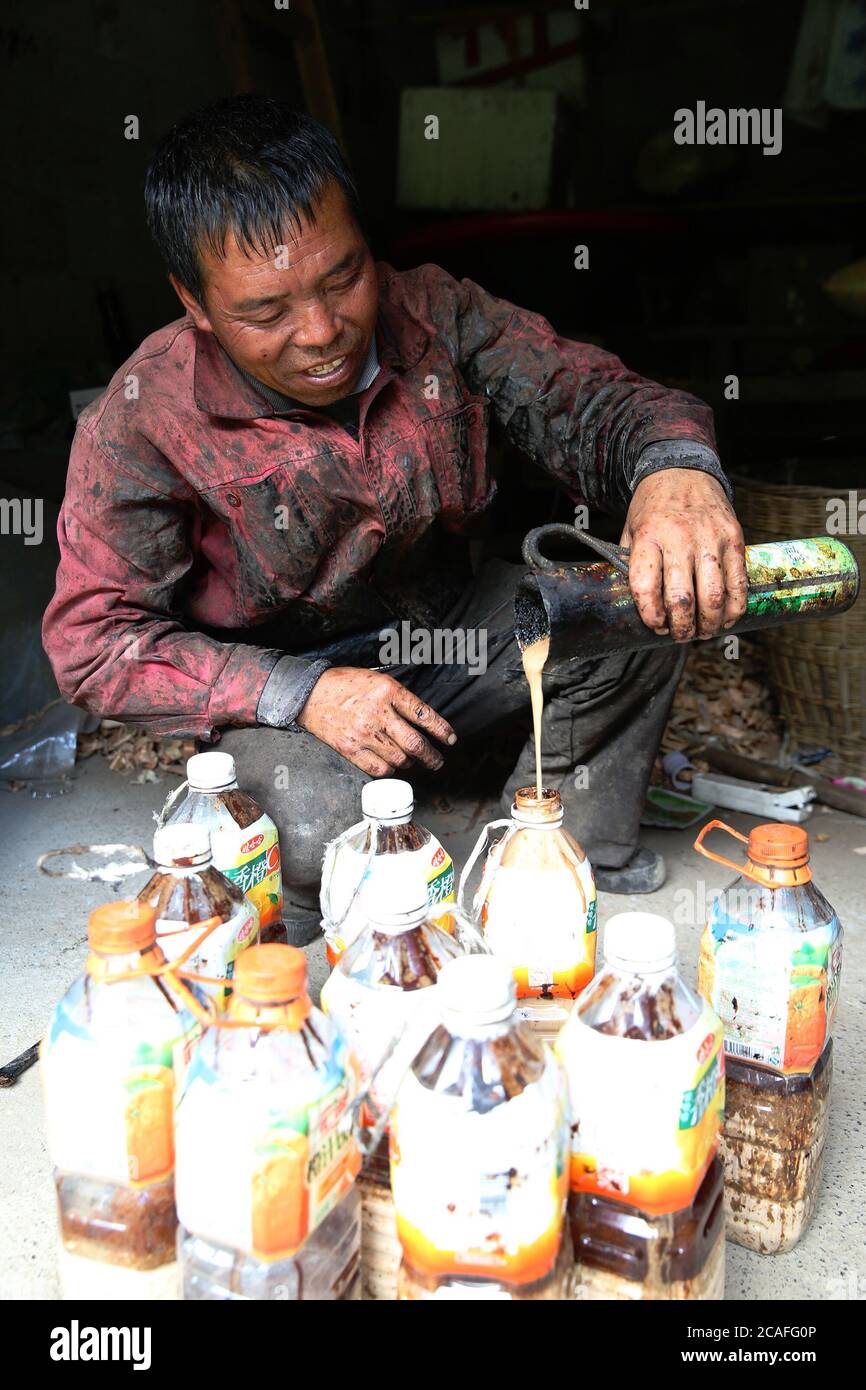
(571, 407)
(113, 632)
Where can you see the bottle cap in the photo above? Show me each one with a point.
(475, 990)
(388, 799)
(779, 845)
(210, 772)
(270, 974)
(640, 942)
(119, 928)
(394, 895)
(173, 843)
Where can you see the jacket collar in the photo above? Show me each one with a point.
(220, 389)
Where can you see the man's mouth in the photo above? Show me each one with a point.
(327, 371)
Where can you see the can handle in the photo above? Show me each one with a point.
(616, 555)
(720, 858)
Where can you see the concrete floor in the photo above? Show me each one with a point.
(45, 948)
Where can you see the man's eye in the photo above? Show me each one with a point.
(263, 323)
(345, 284)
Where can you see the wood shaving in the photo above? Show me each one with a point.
(132, 750)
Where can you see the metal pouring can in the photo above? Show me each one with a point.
(587, 608)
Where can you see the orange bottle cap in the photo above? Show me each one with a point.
(118, 928)
(779, 845)
(270, 974)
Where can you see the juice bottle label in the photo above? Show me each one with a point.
(258, 1177)
(537, 923)
(251, 859)
(371, 1019)
(218, 952)
(652, 1146)
(497, 1213)
(774, 990)
(435, 866)
(109, 1115)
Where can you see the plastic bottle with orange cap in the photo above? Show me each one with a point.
(266, 1151)
(109, 1067)
(770, 964)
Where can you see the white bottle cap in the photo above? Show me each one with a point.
(210, 772)
(388, 799)
(475, 990)
(394, 896)
(640, 942)
(173, 842)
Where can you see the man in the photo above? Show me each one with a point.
(280, 479)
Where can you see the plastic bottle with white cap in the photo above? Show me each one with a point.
(388, 828)
(186, 892)
(479, 1149)
(244, 839)
(643, 1056)
(381, 994)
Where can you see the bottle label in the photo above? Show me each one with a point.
(645, 1116)
(251, 859)
(775, 990)
(434, 866)
(540, 924)
(218, 952)
(481, 1195)
(110, 1100)
(256, 1176)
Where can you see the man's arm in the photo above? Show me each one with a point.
(112, 631)
(615, 439)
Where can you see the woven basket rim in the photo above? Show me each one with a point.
(803, 491)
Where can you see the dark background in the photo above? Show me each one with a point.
(721, 273)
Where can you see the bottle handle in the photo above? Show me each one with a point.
(720, 858)
(160, 817)
(330, 924)
(480, 844)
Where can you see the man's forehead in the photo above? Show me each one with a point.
(306, 249)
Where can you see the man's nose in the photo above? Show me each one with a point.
(317, 327)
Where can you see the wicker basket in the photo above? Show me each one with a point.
(817, 668)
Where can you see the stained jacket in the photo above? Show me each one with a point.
(204, 535)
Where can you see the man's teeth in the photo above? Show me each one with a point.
(327, 367)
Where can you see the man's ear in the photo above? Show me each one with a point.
(192, 306)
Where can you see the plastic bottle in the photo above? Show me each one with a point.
(479, 1149)
(382, 992)
(770, 963)
(266, 1157)
(244, 839)
(389, 827)
(186, 892)
(536, 904)
(643, 1056)
(109, 1064)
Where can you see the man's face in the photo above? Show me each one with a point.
(311, 305)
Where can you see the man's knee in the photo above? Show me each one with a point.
(308, 788)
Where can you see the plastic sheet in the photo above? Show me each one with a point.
(40, 752)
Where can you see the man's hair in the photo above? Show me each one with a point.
(250, 165)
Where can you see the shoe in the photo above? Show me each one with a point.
(645, 872)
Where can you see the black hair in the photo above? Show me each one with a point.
(247, 164)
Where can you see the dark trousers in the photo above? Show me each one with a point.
(602, 724)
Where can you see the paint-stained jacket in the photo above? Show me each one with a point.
(203, 536)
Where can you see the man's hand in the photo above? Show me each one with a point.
(687, 570)
(373, 721)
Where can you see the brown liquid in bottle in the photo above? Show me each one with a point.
(534, 658)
